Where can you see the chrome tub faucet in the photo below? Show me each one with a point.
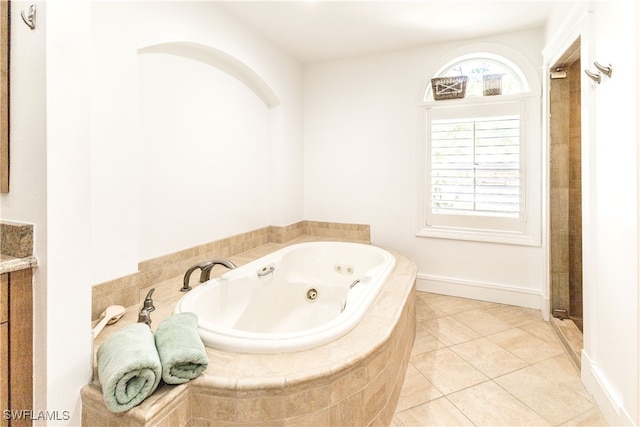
(205, 271)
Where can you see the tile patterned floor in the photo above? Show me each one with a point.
(486, 364)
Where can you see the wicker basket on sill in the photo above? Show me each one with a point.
(492, 84)
(449, 87)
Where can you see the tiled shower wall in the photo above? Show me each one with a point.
(125, 291)
(565, 193)
(575, 195)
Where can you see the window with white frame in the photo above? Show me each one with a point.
(476, 156)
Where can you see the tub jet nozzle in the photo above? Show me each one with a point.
(312, 294)
(265, 271)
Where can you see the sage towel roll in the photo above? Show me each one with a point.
(128, 367)
(182, 354)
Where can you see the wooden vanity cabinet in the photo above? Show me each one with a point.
(16, 346)
(4, 347)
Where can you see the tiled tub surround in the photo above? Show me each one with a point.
(355, 380)
(126, 290)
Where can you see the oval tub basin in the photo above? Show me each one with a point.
(297, 298)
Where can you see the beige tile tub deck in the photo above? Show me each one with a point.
(355, 380)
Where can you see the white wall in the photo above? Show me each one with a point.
(363, 162)
(69, 339)
(77, 154)
(27, 199)
(49, 188)
(612, 294)
(608, 32)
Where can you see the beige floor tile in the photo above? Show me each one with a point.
(540, 329)
(424, 297)
(526, 346)
(553, 400)
(425, 342)
(452, 305)
(439, 412)
(563, 371)
(591, 418)
(426, 311)
(482, 321)
(447, 371)
(447, 330)
(515, 316)
(416, 390)
(431, 298)
(488, 357)
(461, 343)
(488, 404)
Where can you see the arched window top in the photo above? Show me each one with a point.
(486, 74)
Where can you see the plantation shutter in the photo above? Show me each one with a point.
(475, 166)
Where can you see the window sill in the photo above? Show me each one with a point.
(478, 235)
(477, 100)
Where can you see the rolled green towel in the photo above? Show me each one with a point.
(181, 351)
(129, 367)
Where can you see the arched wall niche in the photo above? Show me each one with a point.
(207, 126)
(222, 61)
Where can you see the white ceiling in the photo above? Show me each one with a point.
(320, 30)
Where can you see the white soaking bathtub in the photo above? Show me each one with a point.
(296, 298)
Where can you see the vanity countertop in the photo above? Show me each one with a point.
(9, 263)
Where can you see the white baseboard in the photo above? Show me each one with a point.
(502, 294)
(609, 403)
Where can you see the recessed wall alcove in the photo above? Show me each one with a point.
(208, 125)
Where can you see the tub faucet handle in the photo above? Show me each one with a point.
(144, 317)
(147, 307)
(148, 301)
